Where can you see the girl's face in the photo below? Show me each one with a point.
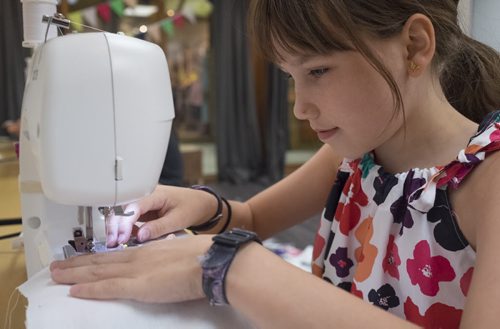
(345, 100)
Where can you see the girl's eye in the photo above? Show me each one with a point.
(317, 73)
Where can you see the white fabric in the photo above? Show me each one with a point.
(50, 306)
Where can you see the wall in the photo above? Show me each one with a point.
(465, 15)
(486, 22)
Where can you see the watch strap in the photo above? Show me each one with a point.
(217, 260)
(214, 276)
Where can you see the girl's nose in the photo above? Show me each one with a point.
(304, 109)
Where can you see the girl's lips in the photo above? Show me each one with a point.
(324, 135)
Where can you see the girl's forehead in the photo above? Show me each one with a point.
(296, 59)
(294, 56)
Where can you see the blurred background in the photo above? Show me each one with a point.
(233, 110)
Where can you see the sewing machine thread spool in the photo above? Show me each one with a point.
(34, 29)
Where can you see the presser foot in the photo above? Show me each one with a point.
(81, 245)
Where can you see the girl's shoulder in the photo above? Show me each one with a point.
(475, 178)
(484, 143)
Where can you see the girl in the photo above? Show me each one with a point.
(409, 234)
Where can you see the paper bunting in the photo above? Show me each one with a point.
(168, 27)
(104, 12)
(188, 12)
(90, 16)
(178, 21)
(76, 20)
(201, 8)
(117, 6)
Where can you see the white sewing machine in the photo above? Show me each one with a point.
(96, 119)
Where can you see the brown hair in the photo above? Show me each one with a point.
(468, 70)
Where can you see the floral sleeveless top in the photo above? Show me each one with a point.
(393, 240)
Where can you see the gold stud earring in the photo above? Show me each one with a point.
(413, 67)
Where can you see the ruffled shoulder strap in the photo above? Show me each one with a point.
(484, 142)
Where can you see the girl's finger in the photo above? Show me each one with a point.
(122, 256)
(118, 288)
(91, 273)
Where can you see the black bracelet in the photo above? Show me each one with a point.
(218, 214)
(229, 214)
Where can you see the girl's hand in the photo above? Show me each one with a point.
(168, 209)
(160, 271)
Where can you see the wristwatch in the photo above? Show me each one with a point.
(215, 263)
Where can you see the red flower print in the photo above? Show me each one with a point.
(427, 271)
(496, 134)
(349, 213)
(391, 260)
(438, 315)
(355, 291)
(465, 281)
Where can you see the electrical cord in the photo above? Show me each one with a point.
(11, 221)
(8, 236)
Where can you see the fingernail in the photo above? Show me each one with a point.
(144, 234)
(110, 240)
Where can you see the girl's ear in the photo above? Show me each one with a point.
(420, 40)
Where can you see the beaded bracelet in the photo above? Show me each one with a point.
(229, 214)
(218, 214)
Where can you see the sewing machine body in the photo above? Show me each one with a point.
(96, 120)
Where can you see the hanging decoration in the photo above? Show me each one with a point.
(90, 16)
(118, 7)
(201, 8)
(168, 27)
(178, 21)
(190, 12)
(76, 20)
(104, 12)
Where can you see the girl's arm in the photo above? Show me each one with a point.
(479, 216)
(286, 203)
(294, 199)
(274, 294)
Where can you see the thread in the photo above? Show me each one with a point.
(10, 311)
(88, 27)
(34, 29)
